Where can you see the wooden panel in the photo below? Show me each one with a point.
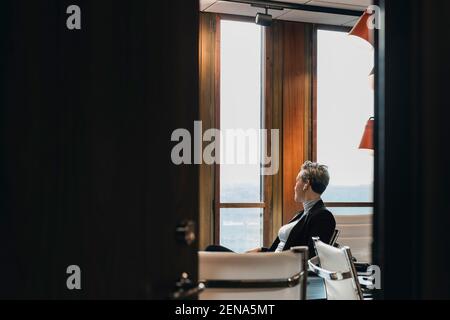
(207, 65)
(273, 108)
(277, 123)
(288, 108)
(217, 126)
(267, 116)
(296, 103)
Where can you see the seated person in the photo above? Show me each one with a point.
(314, 221)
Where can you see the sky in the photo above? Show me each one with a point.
(241, 50)
(344, 104)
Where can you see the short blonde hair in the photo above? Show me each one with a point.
(317, 175)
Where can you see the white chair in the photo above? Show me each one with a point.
(335, 266)
(254, 276)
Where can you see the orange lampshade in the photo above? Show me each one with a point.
(362, 30)
(367, 139)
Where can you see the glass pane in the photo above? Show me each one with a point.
(240, 112)
(344, 104)
(241, 229)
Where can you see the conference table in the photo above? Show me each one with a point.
(315, 289)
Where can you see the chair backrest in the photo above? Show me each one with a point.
(335, 265)
(334, 237)
(254, 276)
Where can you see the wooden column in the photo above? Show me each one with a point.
(209, 62)
(296, 93)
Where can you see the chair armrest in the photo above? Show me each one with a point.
(325, 274)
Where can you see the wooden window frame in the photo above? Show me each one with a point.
(217, 203)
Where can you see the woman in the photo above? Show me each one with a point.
(314, 221)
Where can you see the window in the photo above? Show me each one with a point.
(241, 206)
(345, 101)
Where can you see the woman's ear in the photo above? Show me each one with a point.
(306, 186)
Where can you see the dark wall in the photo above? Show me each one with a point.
(413, 172)
(86, 120)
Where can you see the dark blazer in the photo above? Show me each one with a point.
(319, 222)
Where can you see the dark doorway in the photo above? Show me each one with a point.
(86, 175)
(412, 171)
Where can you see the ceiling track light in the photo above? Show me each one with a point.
(264, 20)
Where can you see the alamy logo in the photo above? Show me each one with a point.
(74, 280)
(371, 278)
(374, 278)
(74, 20)
(237, 147)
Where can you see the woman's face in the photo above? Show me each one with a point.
(300, 188)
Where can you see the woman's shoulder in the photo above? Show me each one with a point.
(322, 213)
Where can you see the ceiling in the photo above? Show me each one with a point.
(241, 9)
